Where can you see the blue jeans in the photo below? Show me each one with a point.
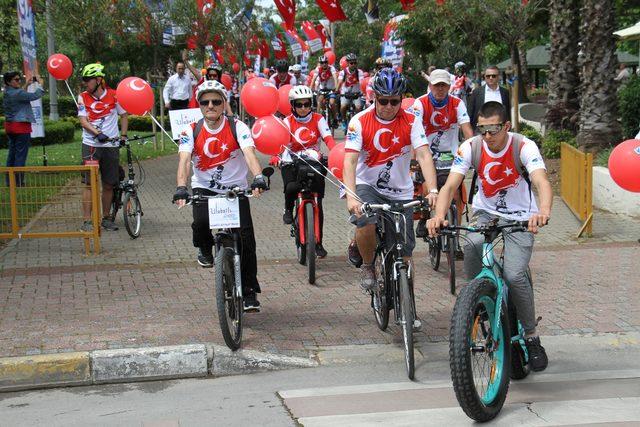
(18, 150)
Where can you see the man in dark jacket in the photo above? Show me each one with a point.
(491, 91)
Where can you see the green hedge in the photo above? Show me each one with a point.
(552, 141)
(60, 132)
(66, 106)
(144, 123)
(629, 107)
(531, 133)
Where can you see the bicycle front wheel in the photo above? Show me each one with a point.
(479, 364)
(407, 317)
(310, 241)
(228, 302)
(379, 301)
(132, 215)
(452, 217)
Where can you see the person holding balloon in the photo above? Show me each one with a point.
(98, 112)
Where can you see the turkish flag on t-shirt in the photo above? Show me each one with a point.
(332, 10)
(287, 9)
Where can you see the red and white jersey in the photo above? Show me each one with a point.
(351, 80)
(441, 124)
(385, 151)
(305, 134)
(217, 158)
(102, 113)
(501, 189)
(325, 77)
(289, 79)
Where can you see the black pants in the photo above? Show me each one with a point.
(179, 104)
(292, 188)
(203, 239)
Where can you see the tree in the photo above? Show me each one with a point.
(598, 123)
(563, 80)
(9, 42)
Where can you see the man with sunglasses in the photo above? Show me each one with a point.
(325, 77)
(490, 91)
(98, 112)
(178, 89)
(507, 165)
(349, 85)
(378, 150)
(221, 161)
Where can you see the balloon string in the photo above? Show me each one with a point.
(71, 93)
(163, 130)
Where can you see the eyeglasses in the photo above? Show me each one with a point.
(302, 104)
(491, 76)
(215, 102)
(16, 79)
(492, 129)
(393, 102)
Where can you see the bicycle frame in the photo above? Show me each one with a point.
(220, 238)
(305, 197)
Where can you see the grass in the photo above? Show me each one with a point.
(602, 159)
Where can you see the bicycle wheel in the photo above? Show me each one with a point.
(407, 317)
(228, 303)
(479, 365)
(434, 252)
(309, 222)
(452, 217)
(132, 215)
(519, 356)
(301, 250)
(379, 302)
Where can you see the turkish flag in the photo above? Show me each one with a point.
(205, 6)
(287, 9)
(264, 48)
(408, 4)
(218, 53)
(322, 32)
(279, 47)
(246, 60)
(294, 34)
(253, 45)
(315, 42)
(332, 10)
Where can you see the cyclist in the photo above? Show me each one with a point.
(326, 78)
(306, 129)
(301, 79)
(221, 159)
(376, 165)
(504, 194)
(461, 84)
(98, 112)
(442, 116)
(349, 84)
(282, 76)
(379, 65)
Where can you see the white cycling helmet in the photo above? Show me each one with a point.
(211, 86)
(295, 68)
(300, 92)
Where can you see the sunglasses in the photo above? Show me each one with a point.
(393, 102)
(87, 79)
(492, 129)
(16, 79)
(491, 76)
(352, 62)
(212, 76)
(302, 104)
(215, 102)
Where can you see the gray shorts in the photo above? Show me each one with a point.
(108, 159)
(344, 101)
(368, 194)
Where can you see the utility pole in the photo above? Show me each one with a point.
(53, 85)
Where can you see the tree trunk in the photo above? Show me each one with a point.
(522, 55)
(517, 71)
(563, 79)
(598, 123)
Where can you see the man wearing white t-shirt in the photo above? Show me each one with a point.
(503, 194)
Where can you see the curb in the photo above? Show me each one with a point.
(138, 364)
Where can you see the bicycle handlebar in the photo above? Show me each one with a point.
(230, 194)
(368, 208)
(490, 227)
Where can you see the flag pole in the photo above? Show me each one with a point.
(332, 31)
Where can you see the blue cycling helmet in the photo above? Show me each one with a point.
(389, 82)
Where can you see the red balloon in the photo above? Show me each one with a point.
(331, 57)
(259, 97)
(236, 67)
(135, 95)
(336, 160)
(270, 135)
(343, 62)
(226, 80)
(407, 103)
(59, 66)
(624, 164)
(363, 84)
(284, 106)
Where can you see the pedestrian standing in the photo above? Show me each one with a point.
(491, 91)
(177, 91)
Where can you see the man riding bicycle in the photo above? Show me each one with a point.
(221, 158)
(301, 79)
(326, 79)
(507, 164)
(283, 76)
(376, 165)
(442, 115)
(306, 129)
(349, 86)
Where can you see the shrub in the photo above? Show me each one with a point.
(552, 141)
(629, 107)
(531, 133)
(73, 120)
(144, 123)
(602, 158)
(55, 133)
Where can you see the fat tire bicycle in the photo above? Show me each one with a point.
(393, 289)
(484, 325)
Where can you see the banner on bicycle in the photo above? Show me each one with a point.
(224, 212)
(181, 119)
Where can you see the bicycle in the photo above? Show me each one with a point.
(228, 279)
(326, 109)
(127, 186)
(351, 110)
(393, 276)
(305, 228)
(481, 324)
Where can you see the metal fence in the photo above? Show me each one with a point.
(576, 184)
(48, 201)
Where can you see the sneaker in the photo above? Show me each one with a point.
(537, 355)
(205, 259)
(108, 224)
(421, 228)
(367, 277)
(251, 304)
(287, 217)
(353, 255)
(87, 226)
(321, 252)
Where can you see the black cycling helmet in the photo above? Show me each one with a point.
(282, 66)
(351, 57)
(323, 60)
(389, 82)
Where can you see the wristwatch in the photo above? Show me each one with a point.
(433, 191)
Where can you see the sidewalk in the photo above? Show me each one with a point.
(149, 291)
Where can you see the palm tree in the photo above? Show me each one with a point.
(598, 123)
(563, 80)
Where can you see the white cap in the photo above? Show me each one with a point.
(439, 76)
